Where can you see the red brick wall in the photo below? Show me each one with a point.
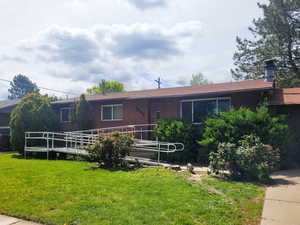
(144, 111)
(134, 112)
(168, 108)
(250, 100)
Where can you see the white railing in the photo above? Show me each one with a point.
(74, 142)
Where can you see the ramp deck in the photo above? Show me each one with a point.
(75, 142)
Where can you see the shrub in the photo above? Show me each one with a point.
(172, 130)
(34, 113)
(249, 159)
(111, 149)
(230, 126)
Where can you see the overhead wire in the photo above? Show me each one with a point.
(44, 88)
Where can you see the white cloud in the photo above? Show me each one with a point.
(115, 52)
(142, 45)
(7, 58)
(147, 4)
(57, 44)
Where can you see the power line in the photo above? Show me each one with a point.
(48, 89)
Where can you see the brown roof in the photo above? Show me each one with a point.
(286, 96)
(241, 86)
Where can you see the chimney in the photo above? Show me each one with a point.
(270, 70)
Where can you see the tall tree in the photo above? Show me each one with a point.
(106, 87)
(275, 35)
(82, 115)
(20, 86)
(199, 79)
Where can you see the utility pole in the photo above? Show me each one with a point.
(158, 81)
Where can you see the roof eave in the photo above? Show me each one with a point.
(169, 96)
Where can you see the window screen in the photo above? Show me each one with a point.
(112, 112)
(106, 113)
(117, 112)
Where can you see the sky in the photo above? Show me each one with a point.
(71, 45)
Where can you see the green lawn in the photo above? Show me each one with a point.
(66, 192)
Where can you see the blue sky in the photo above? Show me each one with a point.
(71, 45)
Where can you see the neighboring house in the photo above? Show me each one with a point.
(193, 103)
(6, 107)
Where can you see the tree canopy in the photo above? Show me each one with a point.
(106, 87)
(276, 35)
(52, 98)
(34, 113)
(20, 86)
(199, 79)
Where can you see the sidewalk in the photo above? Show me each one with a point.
(282, 201)
(7, 220)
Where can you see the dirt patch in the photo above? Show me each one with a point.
(256, 199)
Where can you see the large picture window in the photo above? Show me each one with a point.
(112, 112)
(66, 114)
(198, 110)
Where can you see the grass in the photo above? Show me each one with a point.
(66, 192)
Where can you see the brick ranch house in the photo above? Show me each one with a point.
(147, 106)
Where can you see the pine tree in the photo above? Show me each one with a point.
(21, 86)
(82, 115)
(275, 36)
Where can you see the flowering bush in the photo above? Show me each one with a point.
(111, 149)
(250, 159)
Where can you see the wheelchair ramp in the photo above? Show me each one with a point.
(146, 147)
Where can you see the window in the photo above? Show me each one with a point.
(157, 115)
(198, 110)
(224, 105)
(112, 112)
(204, 109)
(187, 111)
(65, 114)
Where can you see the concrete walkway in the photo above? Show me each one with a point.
(282, 201)
(7, 220)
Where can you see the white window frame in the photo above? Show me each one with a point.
(203, 99)
(112, 112)
(70, 111)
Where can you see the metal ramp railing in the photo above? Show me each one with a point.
(75, 142)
